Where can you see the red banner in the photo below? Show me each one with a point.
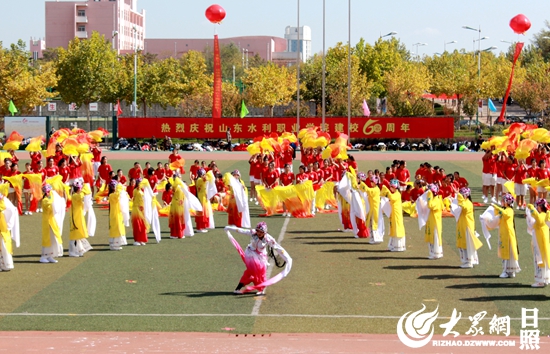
(517, 52)
(248, 128)
(217, 94)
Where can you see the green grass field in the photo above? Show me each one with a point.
(338, 283)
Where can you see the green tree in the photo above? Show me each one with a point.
(378, 59)
(405, 84)
(533, 92)
(231, 100)
(269, 86)
(188, 84)
(88, 72)
(336, 81)
(26, 85)
(542, 41)
(151, 79)
(230, 56)
(453, 74)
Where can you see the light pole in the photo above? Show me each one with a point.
(419, 45)
(445, 45)
(392, 33)
(115, 33)
(479, 59)
(135, 73)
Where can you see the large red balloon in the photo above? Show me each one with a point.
(215, 13)
(520, 24)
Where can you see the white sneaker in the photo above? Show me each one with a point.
(503, 275)
(261, 293)
(518, 207)
(143, 243)
(538, 285)
(494, 200)
(466, 266)
(512, 275)
(26, 213)
(238, 292)
(44, 260)
(30, 212)
(484, 200)
(288, 215)
(137, 243)
(251, 199)
(51, 260)
(256, 202)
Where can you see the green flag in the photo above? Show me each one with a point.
(244, 110)
(12, 108)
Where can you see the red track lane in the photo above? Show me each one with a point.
(168, 342)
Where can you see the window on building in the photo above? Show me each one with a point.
(81, 13)
(81, 28)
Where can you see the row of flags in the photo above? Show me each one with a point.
(244, 110)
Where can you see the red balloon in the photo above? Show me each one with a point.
(215, 13)
(520, 24)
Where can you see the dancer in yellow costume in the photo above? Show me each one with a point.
(397, 241)
(374, 222)
(9, 230)
(540, 244)
(434, 228)
(466, 237)
(507, 243)
(78, 244)
(119, 215)
(53, 207)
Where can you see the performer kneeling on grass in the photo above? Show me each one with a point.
(508, 245)
(537, 227)
(255, 257)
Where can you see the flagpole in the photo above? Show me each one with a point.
(349, 68)
(298, 72)
(323, 107)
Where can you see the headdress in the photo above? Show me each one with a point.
(262, 226)
(465, 191)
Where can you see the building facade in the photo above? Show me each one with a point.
(304, 44)
(264, 46)
(118, 20)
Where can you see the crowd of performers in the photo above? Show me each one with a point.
(328, 181)
(75, 169)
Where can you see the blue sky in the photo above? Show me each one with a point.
(419, 21)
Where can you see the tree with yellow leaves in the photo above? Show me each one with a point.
(26, 85)
(268, 86)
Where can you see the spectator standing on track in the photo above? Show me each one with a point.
(228, 137)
